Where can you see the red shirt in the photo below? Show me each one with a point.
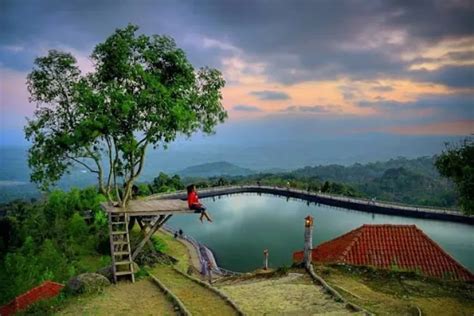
(193, 198)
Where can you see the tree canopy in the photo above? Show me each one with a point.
(144, 92)
(457, 163)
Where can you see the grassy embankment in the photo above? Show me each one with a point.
(399, 293)
(277, 293)
(145, 298)
(385, 293)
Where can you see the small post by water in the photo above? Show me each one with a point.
(265, 260)
(308, 240)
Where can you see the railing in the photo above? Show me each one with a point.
(317, 194)
(359, 204)
(204, 254)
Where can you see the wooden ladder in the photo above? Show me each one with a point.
(120, 251)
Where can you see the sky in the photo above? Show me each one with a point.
(294, 69)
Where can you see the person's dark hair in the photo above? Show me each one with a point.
(190, 188)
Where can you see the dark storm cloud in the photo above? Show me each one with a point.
(298, 41)
(328, 39)
(246, 108)
(270, 95)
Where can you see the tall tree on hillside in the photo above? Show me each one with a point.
(143, 92)
(457, 163)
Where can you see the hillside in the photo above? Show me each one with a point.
(411, 181)
(414, 181)
(214, 169)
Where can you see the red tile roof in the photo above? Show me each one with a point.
(46, 290)
(385, 246)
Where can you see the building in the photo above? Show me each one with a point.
(403, 247)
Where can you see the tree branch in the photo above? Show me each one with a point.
(82, 163)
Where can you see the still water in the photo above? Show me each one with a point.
(246, 224)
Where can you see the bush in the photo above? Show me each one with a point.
(51, 240)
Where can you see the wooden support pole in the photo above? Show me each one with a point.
(143, 227)
(308, 240)
(148, 235)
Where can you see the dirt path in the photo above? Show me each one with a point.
(293, 294)
(192, 252)
(140, 298)
(198, 299)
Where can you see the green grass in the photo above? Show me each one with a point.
(140, 298)
(280, 294)
(175, 249)
(392, 292)
(198, 299)
(92, 263)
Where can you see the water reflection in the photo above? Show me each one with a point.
(246, 224)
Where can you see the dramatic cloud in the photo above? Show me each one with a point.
(452, 107)
(246, 108)
(270, 95)
(383, 64)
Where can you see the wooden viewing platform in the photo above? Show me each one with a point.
(150, 214)
(150, 207)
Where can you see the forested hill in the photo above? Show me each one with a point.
(359, 173)
(414, 181)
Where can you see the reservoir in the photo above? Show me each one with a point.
(246, 224)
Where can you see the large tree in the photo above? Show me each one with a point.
(143, 92)
(456, 162)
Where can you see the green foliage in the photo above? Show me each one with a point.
(144, 189)
(412, 181)
(159, 244)
(457, 163)
(49, 240)
(32, 264)
(78, 227)
(164, 183)
(143, 92)
(325, 188)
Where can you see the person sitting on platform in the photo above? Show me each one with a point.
(194, 204)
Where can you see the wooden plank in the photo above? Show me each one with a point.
(150, 207)
(129, 249)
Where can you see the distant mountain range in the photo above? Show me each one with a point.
(215, 169)
(405, 180)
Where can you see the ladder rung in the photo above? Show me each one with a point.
(117, 263)
(118, 223)
(123, 273)
(121, 253)
(120, 233)
(118, 242)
